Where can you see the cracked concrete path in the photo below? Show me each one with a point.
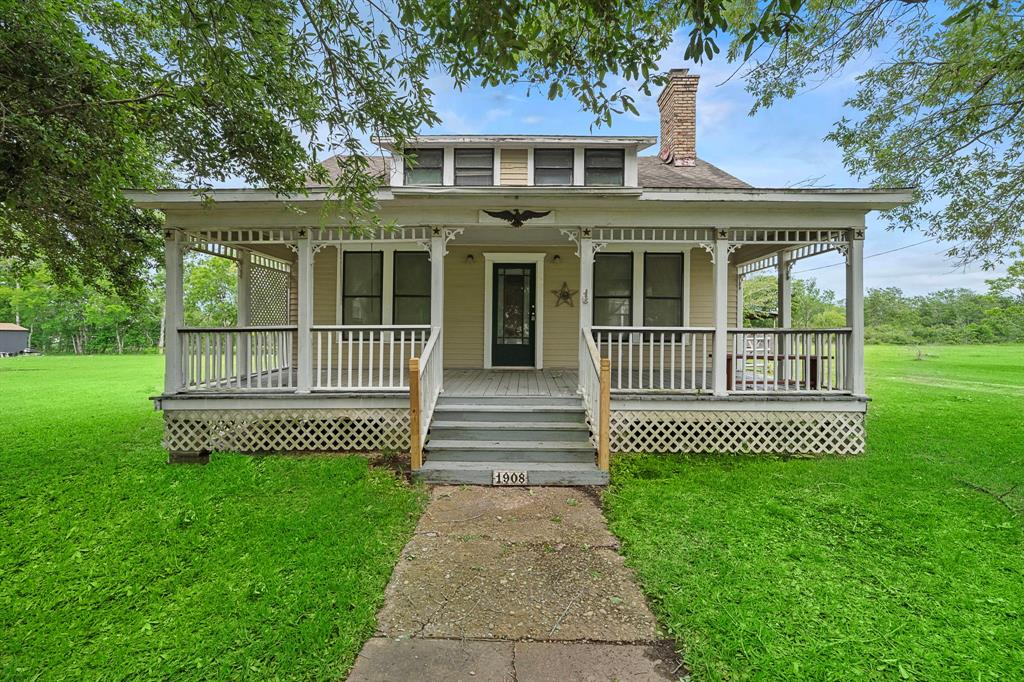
(520, 584)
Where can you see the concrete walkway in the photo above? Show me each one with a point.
(519, 584)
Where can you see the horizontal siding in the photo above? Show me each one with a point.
(325, 286)
(702, 290)
(514, 167)
(464, 306)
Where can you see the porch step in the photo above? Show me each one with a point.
(472, 436)
(468, 412)
(510, 429)
(510, 452)
(510, 402)
(539, 473)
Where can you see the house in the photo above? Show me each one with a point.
(543, 303)
(13, 338)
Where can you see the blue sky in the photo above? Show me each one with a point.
(776, 148)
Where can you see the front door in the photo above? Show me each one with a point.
(513, 324)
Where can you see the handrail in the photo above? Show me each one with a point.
(657, 359)
(786, 330)
(364, 327)
(595, 389)
(426, 376)
(247, 328)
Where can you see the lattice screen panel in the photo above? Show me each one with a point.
(351, 430)
(790, 433)
(269, 290)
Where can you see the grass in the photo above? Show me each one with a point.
(897, 564)
(115, 565)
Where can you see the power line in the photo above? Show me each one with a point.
(874, 255)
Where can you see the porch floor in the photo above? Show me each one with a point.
(511, 382)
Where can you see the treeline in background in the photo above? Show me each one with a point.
(91, 318)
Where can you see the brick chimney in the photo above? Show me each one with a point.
(678, 106)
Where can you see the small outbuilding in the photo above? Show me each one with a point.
(13, 338)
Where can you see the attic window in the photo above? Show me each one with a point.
(474, 167)
(604, 167)
(552, 166)
(424, 166)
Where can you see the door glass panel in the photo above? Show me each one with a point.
(514, 300)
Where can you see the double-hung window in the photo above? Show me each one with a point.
(604, 167)
(474, 167)
(362, 287)
(663, 290)
(552, 166)
(613, 290)
(411, 296)
(424, 166)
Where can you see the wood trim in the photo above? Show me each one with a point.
(490, 258)
(604, 415)
(415, 450)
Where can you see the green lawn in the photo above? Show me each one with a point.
(883, 566)
(115, 565)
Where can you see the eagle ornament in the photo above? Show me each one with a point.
(515, 217)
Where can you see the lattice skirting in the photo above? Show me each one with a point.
(784, 433)
(347, 430)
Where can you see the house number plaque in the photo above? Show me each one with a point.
(509, 478)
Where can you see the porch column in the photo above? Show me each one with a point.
(739, 300)
(586, 245)
(174, 310)
(304, 249)
(721, 316)
(855, 312)
(437, 249)
(243, 299)
(785, 307)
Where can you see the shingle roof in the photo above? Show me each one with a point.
(652, 173)
(11, 327)
(655, 173)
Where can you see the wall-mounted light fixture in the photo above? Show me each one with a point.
(556, 259)
(469, 259)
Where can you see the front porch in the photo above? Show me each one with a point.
(293, 376)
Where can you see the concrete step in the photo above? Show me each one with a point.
(509, 452)
(509, 413)
(508, 430)
(479, 473)
(509, 401)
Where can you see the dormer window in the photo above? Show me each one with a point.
(604, 167)
(424, 166)
(552, 166)
(474, 167)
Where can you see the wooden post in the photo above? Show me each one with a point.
(174, 311)
(855, 312)
(721, 312)
(437, 249)
(586, 247)
(604, 417)
(244, 311)
(305, 316)
(415, 453)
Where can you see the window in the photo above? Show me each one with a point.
(604, 167)
(474, 166)
(552, 166)
(424, 166)
(361, 288)
(613, 290)
(663, 290)
(412, 288)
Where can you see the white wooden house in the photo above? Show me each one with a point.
(484, 344)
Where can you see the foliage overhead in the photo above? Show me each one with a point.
(938, 105)
(102, 95)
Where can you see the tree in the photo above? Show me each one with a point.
(102, 95)
(941, 108)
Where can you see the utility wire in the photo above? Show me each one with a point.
(874, 255)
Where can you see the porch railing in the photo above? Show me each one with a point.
(643, 359)
(595, 385)
(788, 360)
(365, 358)
(236, 358)
(426, 376)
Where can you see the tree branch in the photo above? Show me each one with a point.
(100, 103)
